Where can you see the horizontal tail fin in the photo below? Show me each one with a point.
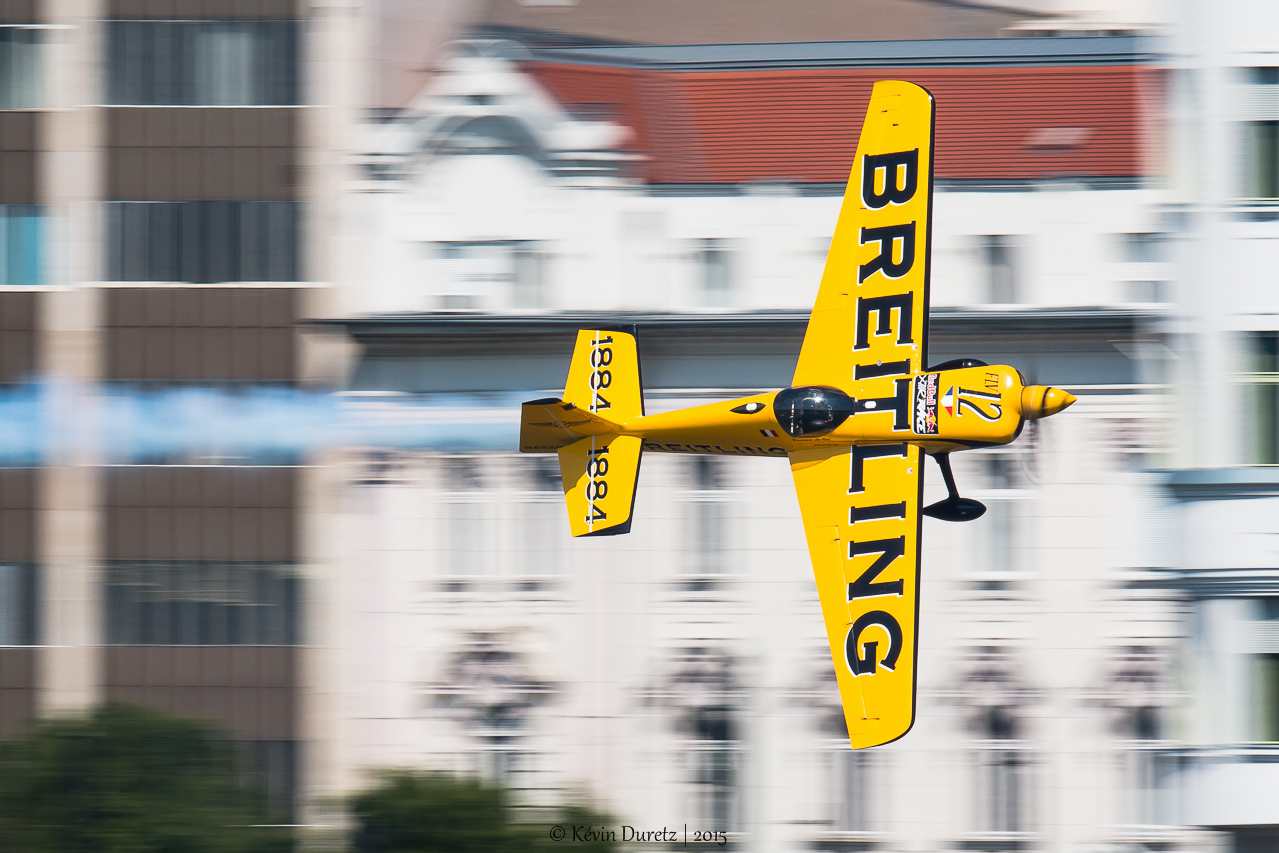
(600, 473)
(549, 424)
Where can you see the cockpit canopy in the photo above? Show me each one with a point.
(811, 410)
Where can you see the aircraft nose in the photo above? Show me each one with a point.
(1040, 401)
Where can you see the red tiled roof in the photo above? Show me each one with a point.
(993, 123)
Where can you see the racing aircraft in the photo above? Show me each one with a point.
(863, 409)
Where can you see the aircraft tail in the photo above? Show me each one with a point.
(604, 376)
(599, 468)
(600, 473)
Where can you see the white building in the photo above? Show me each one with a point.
(680, 675)
(1224, 112)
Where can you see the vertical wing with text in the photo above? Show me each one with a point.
(861, 516)
(871, 315)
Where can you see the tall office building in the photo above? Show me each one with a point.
(153, 230)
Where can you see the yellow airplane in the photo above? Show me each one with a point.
(861, 412)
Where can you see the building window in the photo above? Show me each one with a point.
(998, 261)
(1002, 773)
(541, 518)
(489, 274)
(713, 757)
(202, 242)
(1261, 178)
(997, 559)
(1258, 840)
(21, 245)
(19, 605)
(1262, 381)
(272, 765)
(714, 259)
(705, 523)
(1263, 160)
(1267, 694)
(467, 515)
(20, 68)
(198, 603)
(851, 783)
(202, 63)
(1145, 272)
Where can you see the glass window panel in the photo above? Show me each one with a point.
(222, 225)
(199, 603)
(18, 602)
(115, 242)
(1264, 174)
(21, 244)
(1268, 698)
(160, 242)
(190, 224)
(253, 238)
(1264, 397)
(4, 245)
(134, 244)
(19, 68)
(282, 240)
(998, 257)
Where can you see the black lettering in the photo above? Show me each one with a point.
(864, 663)
(898, 404)
(874, 371)
(857, 463)
(866, 586)
(907, 161)
(874, 513)
(882, 307)
(887, 237)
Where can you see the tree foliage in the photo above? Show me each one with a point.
(128, 780)
(412, 812)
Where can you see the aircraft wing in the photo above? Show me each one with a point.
(861, 515)
(871, 315)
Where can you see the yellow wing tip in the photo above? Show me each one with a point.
(898, 88)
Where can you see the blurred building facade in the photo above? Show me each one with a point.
(182, 183)
(1223, 116)
(539, 183)
(154, 225)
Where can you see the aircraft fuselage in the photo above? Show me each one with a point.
(940, 411)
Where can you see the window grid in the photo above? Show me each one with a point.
(1003, 781)
(851, 782)
(202, 63)
(203, 242)
(201, 603)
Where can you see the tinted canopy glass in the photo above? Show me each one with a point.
(811, 410)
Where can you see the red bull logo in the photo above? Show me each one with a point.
(925, 408)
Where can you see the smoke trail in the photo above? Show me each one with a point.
(48, 422)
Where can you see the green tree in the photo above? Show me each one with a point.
(412, 812)
(128, 780)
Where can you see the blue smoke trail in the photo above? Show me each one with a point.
(44, 422)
